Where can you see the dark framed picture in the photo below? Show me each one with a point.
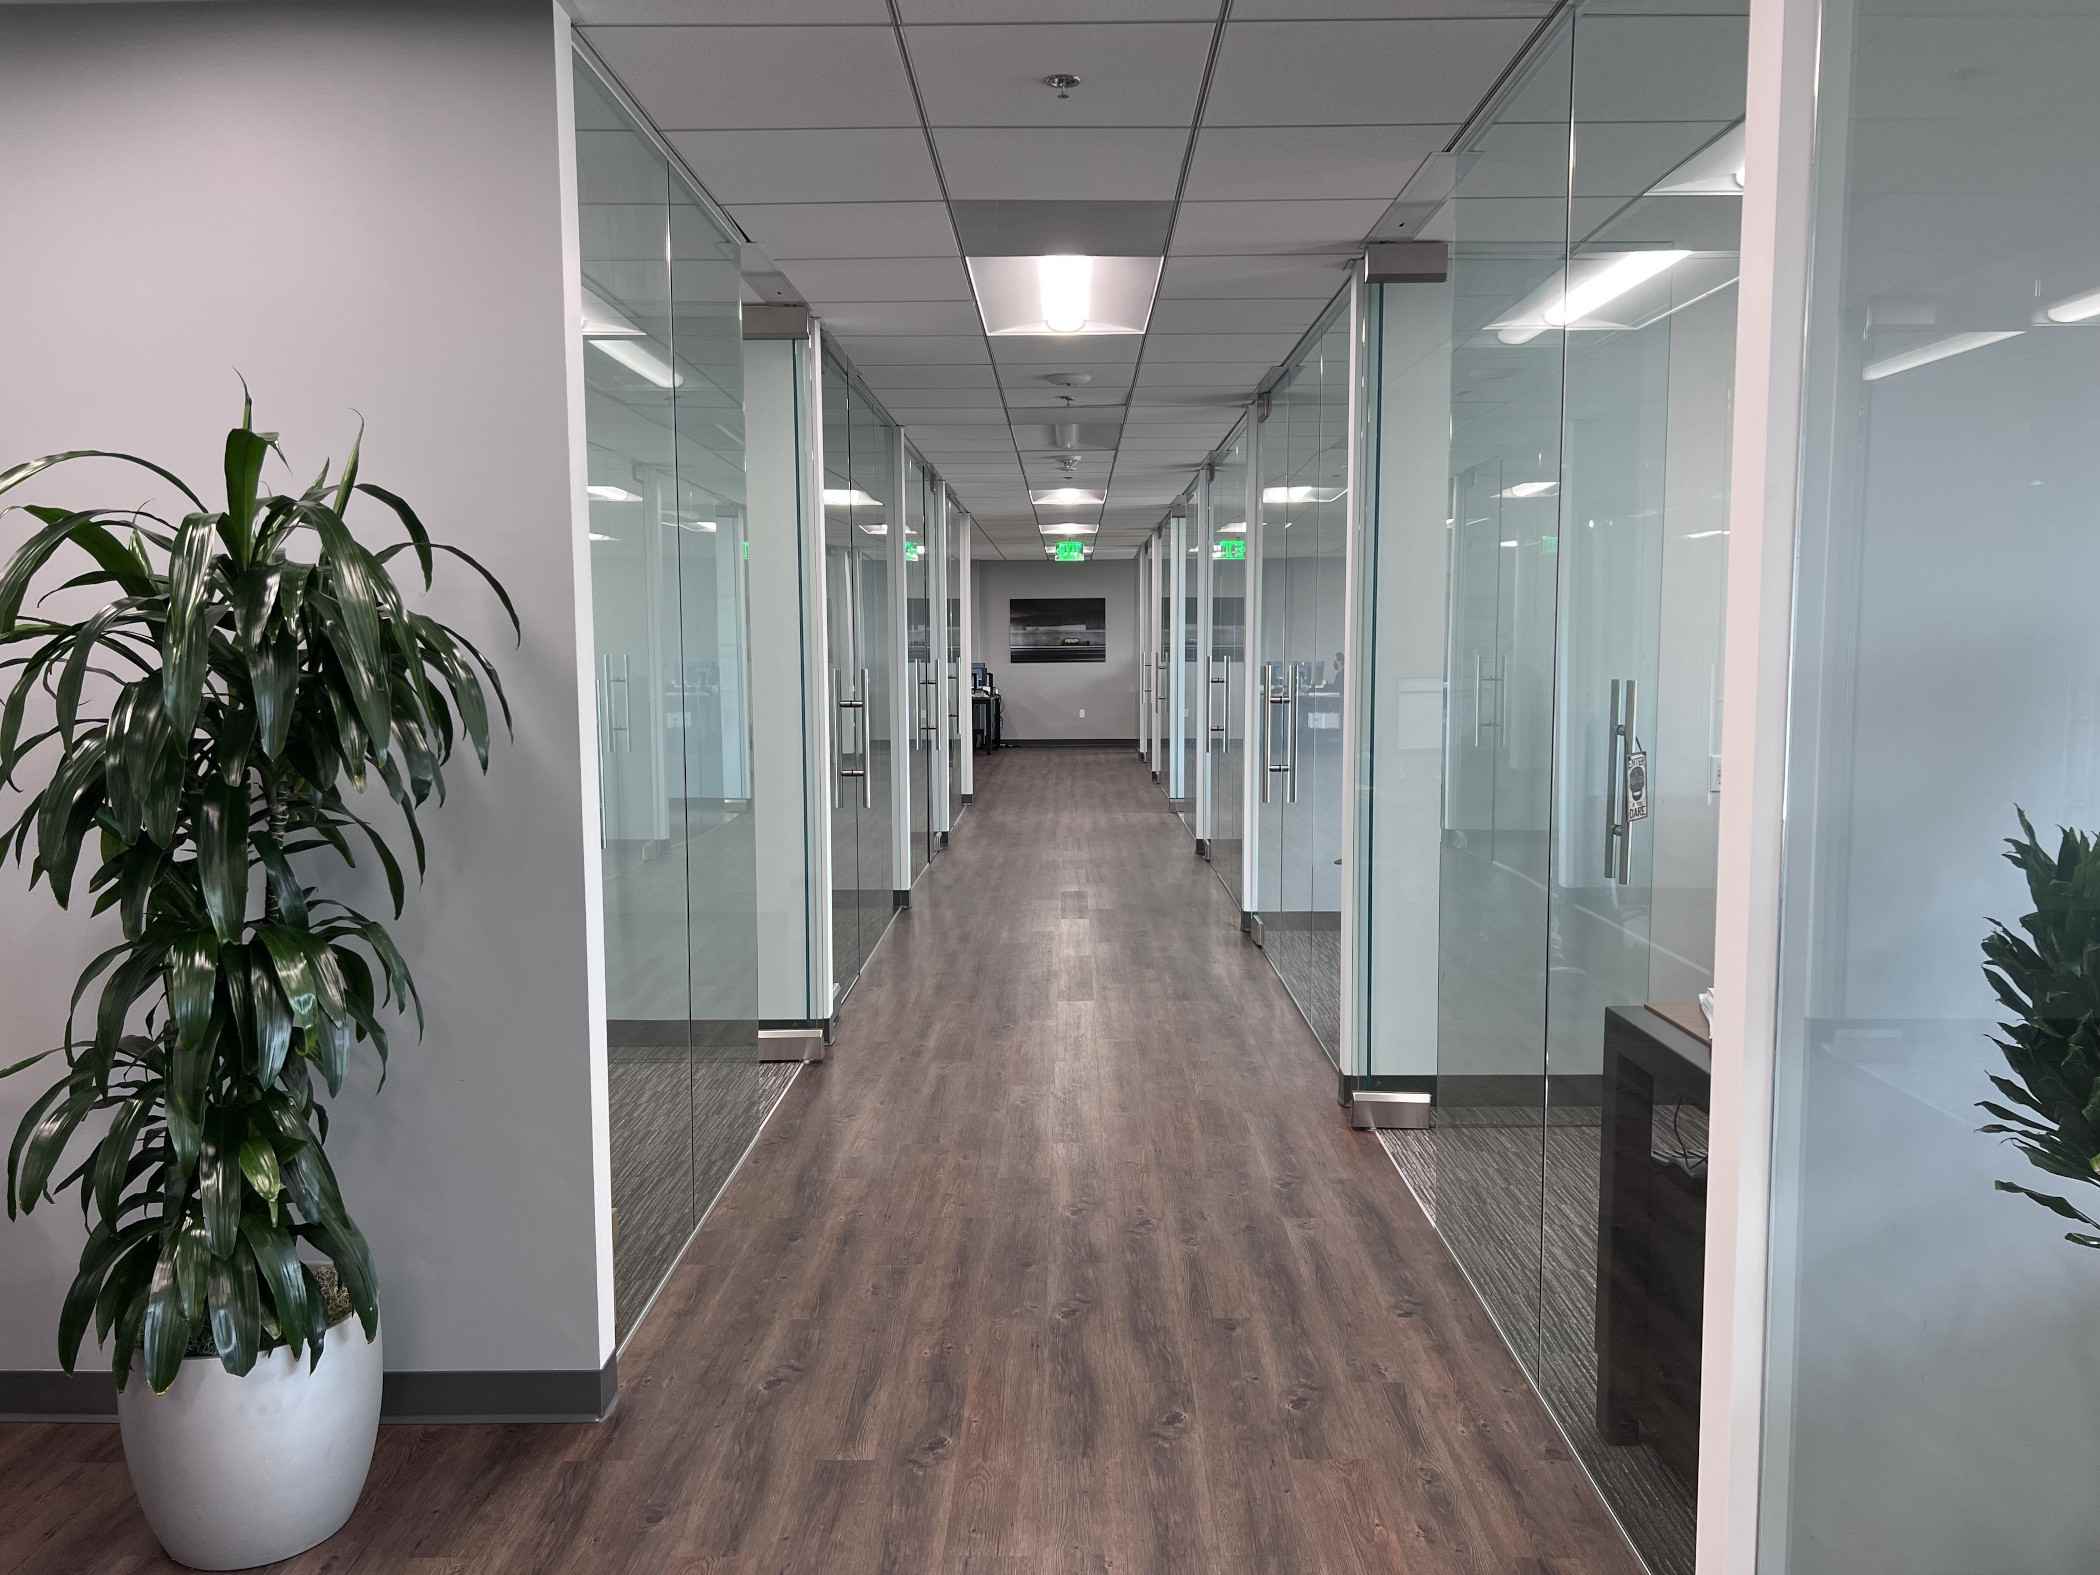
(1057, 629)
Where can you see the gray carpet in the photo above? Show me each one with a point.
(680, 1122)
(1479, 1174)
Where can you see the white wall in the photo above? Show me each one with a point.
(1043, 701)
(361, 207)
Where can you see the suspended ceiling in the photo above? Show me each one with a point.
(867, 146)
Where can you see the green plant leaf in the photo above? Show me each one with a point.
(193, 976)
(277, 1259)
(259, 1164)
(222, 857)
(236, 1309)
(165, 1331)
(345, 1248)
(273, 1017)
(494, 584)
(419, 538)
(185, 641)
(245, 452)
(60, 527)
(105, 1245)
(219, 1196)
(113, 1157)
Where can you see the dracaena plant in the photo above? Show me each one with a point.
(243, 665)
(2049, 979)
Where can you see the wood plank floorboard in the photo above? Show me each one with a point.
(1065, 1264)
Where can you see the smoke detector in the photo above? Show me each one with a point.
(1063, 81)
(1069, 379)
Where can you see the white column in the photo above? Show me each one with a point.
(935, 552)
(901, 678)
(1778, 197)
(1255, 698)
(968, 594)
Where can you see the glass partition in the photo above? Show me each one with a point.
(958, 689)
(1188, 675)
(1305, 511)
(919, 676)
(664, 429)
(1227, 678)
(1163, 756)
(1581, 357)
(1932, 1402)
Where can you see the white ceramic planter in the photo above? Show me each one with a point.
(235, 1472)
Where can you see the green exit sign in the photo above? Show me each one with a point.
(1232, 547)
(1071, 552)
(911, 552)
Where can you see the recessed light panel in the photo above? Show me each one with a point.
(1066, 497)
(1064, 296)
(1299, 495)
(1071, 528)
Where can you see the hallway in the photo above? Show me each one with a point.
(1065, 1262)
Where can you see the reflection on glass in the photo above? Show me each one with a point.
(664, 428)
(958, 690)
(919, 670)
(1228, 676)
(1304, 452)
(1932, 1401)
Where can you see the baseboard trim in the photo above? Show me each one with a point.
(1070, 743)
(582, 1395)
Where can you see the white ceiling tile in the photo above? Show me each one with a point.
(1269, 278)
(1085, 353)
(866, 165)
(963, 435)
(1235, 228)
(1292, 314)
(836, 279)
(873, 350)
(1135, 74)
(1358, 73)
(1170, 348)
(874, 319)
(1055, 10)
(1258, 10)
(1283, 162)
(1088, 163)
(713, 12)
(849, 229)
(884, 378)
(941, 408)
(690, 78)
(1203, 374)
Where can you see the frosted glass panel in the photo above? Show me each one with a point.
(1934, 1400)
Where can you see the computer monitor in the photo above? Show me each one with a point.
(980, 676)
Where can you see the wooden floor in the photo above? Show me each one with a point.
(1066, 1262)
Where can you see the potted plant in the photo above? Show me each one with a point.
(198, 727)
(2050, 980)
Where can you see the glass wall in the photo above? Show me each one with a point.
(1183, 528)
(1227, 678)
(664, 425)
(1933, 1401)
(1304, 453)
(860, 496)
(958, 736)
(920, 702)
(1581, 357)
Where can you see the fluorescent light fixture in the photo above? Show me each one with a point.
(2073, 309)
(704, 527)
(1530, 489)
(603, 320)
(1700, 535)
(597, 535)
(1937, 350)
(613, 494)
(1233, 528)
(1581, 290)
(877, 529)
(1301, 495)
(1066, 295)
(1070, 528)
(1716, 170)
(641, 361)
(849, 498)
(1066, 496)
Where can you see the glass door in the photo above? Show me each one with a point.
(1188, 676)
(958, 527)
(846, 641)
(1227, 678)
(1163, 759)
(921, 710)
(872, 505)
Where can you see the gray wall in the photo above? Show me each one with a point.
(360, 206)
(1044, 702)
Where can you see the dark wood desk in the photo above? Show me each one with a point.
(1651, 1236)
